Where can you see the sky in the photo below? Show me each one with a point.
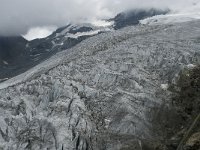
(40, 17)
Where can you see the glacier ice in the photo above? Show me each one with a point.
(97, 94)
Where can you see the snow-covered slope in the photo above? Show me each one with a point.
(100, 94)
(171, 18)
(184, 14)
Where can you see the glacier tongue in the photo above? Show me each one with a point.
(100, 93)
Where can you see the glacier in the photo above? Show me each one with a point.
(99, 94)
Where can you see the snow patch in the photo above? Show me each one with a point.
(107, 122)
(79, 34)
(5, 62)
(164, 86)
(191, 66)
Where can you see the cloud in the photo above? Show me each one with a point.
(18, 16)
(39, 32)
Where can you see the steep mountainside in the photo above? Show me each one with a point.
(110, 92)
(10, 47)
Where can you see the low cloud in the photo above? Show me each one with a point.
(18, 16)
(39, 32)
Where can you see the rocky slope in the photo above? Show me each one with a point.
(110, 92)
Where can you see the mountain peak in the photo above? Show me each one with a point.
(132, 17)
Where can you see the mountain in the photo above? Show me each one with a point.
(133, 88)
(133, 17)
(18, 55)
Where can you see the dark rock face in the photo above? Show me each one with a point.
(133, 17)
(11, 48)
(13, 55)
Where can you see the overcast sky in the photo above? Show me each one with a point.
(20, 16)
